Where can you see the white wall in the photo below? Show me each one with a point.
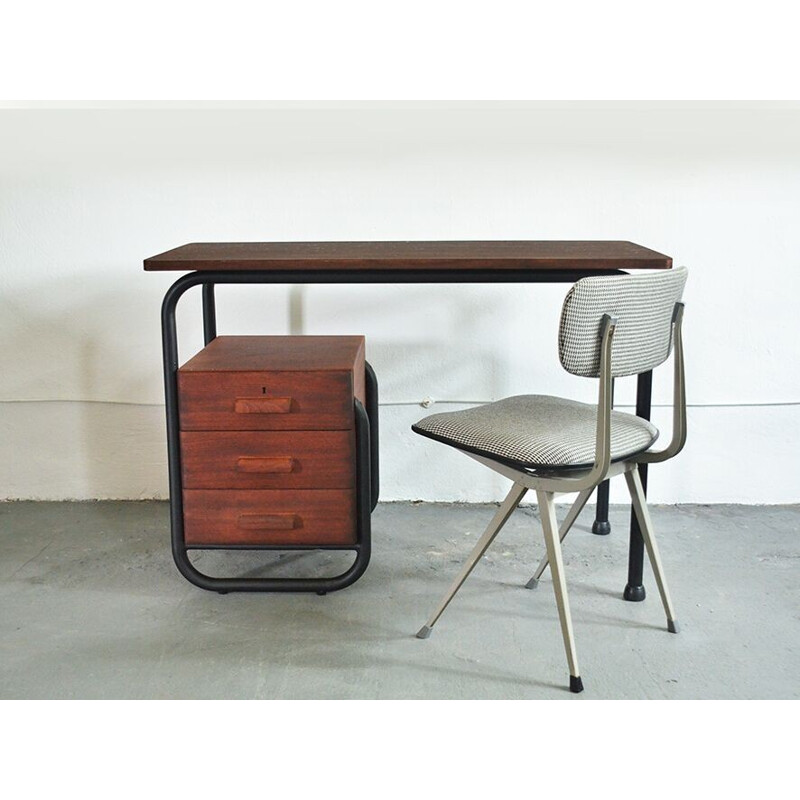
(86, 195)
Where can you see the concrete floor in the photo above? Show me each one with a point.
(92, 607)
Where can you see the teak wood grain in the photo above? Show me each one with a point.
(268, 459)
(317, 401)
(278, 354)
(272, 383)
(453, 255)
(225, 517)
(263, 405)
(268, 522)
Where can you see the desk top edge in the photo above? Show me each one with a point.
(408, 255)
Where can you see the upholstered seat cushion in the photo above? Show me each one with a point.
(533, 430)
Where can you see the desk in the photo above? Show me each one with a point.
(378, 262)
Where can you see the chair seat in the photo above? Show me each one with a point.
(537, 431)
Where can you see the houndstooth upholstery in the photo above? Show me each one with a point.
(537, 431)
(643, 306)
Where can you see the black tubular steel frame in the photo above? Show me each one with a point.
(634, 591)
(366, 418)
(366, 432)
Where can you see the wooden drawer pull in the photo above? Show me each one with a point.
(263, 405)
(272, 522)
(253, 464)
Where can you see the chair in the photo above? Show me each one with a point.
(611, 326)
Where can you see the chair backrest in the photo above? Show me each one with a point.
(643, 306)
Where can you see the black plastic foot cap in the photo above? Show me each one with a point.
(322, 594)
(672, 626)
(532, 583)
(601, 527)
(223, 591)
(575, 684)
(634, 594)
(424, 632)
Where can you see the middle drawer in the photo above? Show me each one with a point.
(268, 459)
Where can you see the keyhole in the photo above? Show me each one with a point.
(263, 390)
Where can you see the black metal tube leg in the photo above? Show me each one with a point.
(209, 313)
(601, 526)
(634, 590)
(372, 413)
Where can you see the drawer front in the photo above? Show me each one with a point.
(271, 401)
(269, 516)
(268, 459)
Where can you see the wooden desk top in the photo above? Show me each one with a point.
(458, 256)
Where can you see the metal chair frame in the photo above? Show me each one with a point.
(551, 484)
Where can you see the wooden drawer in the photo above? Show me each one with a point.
(225, 517)
(268, 459)
(251, 401)
(272, 383)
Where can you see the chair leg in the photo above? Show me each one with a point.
(547, 511)
(645, 523)
(503, 513)
(568, 522)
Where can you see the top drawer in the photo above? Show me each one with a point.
(272, 383)
(265, 401)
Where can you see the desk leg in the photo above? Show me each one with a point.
(372, 414)
(601, 526)
(209, 313)
(634, 591)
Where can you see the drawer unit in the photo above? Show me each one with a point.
(268, 441)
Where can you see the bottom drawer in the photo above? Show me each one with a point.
(224, 517)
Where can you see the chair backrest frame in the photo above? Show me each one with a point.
(602, 458)
(642, 306)
(678, 397)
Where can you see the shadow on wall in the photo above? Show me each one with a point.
(446, 343)
(105, 349)
(416, 361)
